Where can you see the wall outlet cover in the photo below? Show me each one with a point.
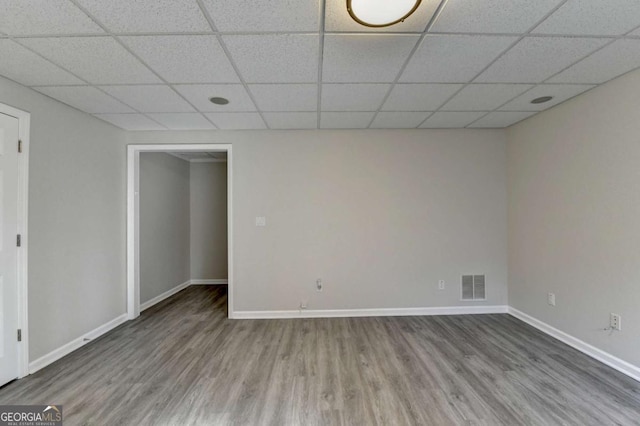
(615, 322)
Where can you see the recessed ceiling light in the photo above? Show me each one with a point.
(542, 100)
(381, 13)
(219, 101)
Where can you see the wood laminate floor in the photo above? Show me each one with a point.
(184, 363)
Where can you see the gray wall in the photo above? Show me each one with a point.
(330, 198)
(370, 212)
(208, 220)
(574, 216)
(380, 216)
(164, 224)
(76, 236)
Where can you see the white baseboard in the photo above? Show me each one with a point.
(220, 281)
(598, 354)
(161, 297)
(64, 350)
(604, 357)
(345, 313)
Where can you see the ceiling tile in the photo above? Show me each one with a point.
(148, 16)
(535, 59)
(237, 120)
(153, 98)
(85, 98)
(398, 120)
(285, 97)
(183, 156)
(131, 121)
(365, 58)
(501, 119)
(264, 15)
(291, 120)
(275, 58)
(184, 58)
(345, 120)
(183, 121)
(450, 120)
(192, 155)
(484, 97)
(199, 94)
(419, 97)
(611, 61)
(25, 67)
(453, 58)
(353, 97)
(99, 60)
(593, 17)
(338, 19)
(560, 93)
(29, 17)
(492, 16)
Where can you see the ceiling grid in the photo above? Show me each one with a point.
(154, 64)
(226, 51)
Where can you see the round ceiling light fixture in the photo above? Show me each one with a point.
(219, 101)
(381, 13)
(542, 99)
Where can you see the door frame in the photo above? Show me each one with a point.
(133, 217)
(24, 125)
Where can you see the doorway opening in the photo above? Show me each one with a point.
(157, 178)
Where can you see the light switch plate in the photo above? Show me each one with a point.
(261, 221)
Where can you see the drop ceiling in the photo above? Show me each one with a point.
(305, 64)
(200, 157)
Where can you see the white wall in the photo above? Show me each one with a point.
(164, 224)
(76, 220)
(208, 185)
(380, 216)
(574, 216)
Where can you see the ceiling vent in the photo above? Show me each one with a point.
(473, 287)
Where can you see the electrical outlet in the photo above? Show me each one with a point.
(261, 221)
(319, 284)
(303, 305)
(615, 322)
(551, 299)
(441, 285)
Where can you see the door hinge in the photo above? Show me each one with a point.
(19, 241)
(19, 146)
(19, 335)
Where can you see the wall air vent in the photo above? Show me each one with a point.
(473, 287)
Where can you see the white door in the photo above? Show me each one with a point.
(8, 248)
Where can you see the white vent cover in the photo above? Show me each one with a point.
(473, 287)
